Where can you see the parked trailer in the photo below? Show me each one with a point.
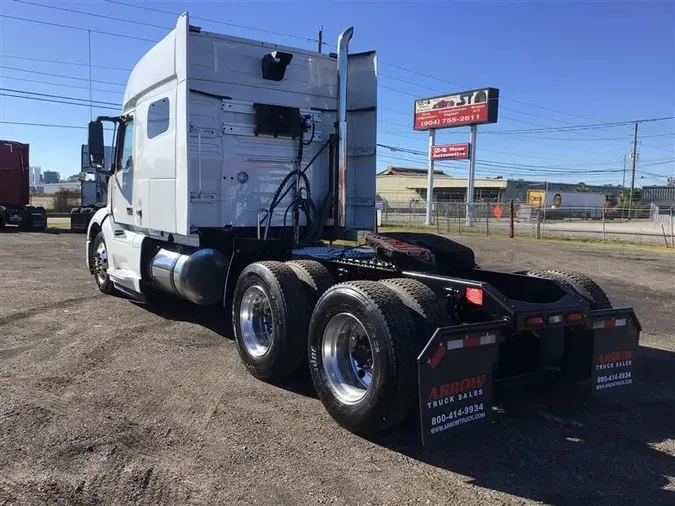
(560, 204)
(14, 189)
(235, 160)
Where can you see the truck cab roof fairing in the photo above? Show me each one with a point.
(164, 62)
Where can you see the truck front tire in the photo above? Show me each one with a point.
(362, 358)
(270, 317)
(100, 265)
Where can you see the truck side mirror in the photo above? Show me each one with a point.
(95, 145)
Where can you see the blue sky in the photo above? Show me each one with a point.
(557, 64)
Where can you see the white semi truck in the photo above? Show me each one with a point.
(235, 162)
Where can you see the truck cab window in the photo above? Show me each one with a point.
(128, 146)
(127, 162)
(158, 118)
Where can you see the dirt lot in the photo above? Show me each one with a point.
(104, 402)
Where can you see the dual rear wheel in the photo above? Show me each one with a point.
(361, 338)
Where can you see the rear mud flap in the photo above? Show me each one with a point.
(454, 374)
(616, 335)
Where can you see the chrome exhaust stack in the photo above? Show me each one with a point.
(343, 52)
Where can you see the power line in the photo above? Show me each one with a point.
(60, 75)
(59, 84)
(49, 95)
(101, 16)
(46, 125)
(60, 62)
(175, 14)
(585, 127)
(56, 101)
(511, 165)
(436, 78)
(49, 23)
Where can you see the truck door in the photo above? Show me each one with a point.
(123, 179)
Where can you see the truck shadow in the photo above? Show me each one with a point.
(214, 318)
(553, 446)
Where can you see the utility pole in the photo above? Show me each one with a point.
(623, 182)
(91, 112)
(320, 41)
(632, 182)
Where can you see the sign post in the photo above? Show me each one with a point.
(466, 108)
(430, 180)
(472, 177)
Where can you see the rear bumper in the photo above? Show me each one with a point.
(457, 366)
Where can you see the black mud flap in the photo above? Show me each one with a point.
(616, 335)
(454, 374)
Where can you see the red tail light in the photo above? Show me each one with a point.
(574, 317)
(475, 296)
(534, 321)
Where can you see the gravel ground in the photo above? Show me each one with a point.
(104, 402)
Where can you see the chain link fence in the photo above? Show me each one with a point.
(518, 219)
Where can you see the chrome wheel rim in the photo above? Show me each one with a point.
(101, 263)
(347, 358)
(256, 322)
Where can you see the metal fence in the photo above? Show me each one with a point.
(518, 219)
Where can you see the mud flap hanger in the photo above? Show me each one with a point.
(454, 373)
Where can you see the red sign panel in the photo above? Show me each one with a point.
(460, 109)
(450, 152)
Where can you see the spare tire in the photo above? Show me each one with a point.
(580, 284)
(361, 355)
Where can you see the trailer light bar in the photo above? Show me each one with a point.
(610, 323)
(534, 321)
(556, 318)
(574, 317)
(475, 296)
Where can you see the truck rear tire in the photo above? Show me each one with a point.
(425, 308)
(100, 265)
(270, 318)
(315, 279)
(361, 354)
(588, 289)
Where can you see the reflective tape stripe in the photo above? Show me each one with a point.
(610, 324)
(471, 341)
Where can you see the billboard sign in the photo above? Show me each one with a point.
(473, 107)
(450, 152)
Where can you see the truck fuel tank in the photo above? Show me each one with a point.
(198, 276)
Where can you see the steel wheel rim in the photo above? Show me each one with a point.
(347, 358)
(256, 322)
(101, 263)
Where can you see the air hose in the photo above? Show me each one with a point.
(301, 184)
